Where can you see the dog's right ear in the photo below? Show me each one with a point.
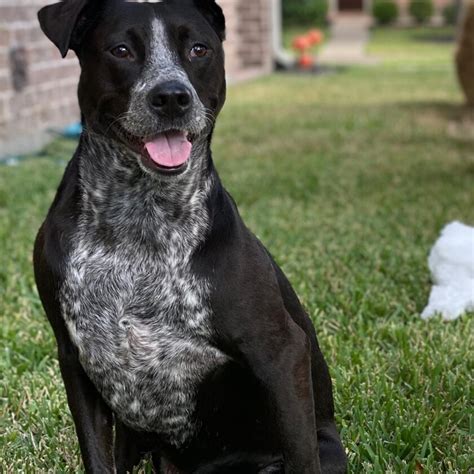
(65, 23)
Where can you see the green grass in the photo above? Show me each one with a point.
(422, 46)
(347, 179)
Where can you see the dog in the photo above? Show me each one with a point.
(179, 337)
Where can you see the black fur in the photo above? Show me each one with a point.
(268, 406)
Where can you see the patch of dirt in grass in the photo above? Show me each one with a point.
(456, 121)
(463, 127)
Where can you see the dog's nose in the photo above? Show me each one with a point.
(170, 98)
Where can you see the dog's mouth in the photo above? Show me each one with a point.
(168, 151)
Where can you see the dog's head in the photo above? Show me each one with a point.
(152, 73)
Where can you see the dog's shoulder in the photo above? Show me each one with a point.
(53, 242)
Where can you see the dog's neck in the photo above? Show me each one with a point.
(118, 197)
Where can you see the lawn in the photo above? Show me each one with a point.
(348, 179)
(420, 46)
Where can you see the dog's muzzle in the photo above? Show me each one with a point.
(170, 100)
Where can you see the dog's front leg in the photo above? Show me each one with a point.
(279, 355)
(93, 419)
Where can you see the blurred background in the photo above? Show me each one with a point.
(347, 141)
(38, 89)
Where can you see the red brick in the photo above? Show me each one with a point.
(4, 61)
(4, 110)
(5, 83)
(4, 36)
(50, 99)
(17, 13)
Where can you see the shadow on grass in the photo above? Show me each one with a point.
(434, 37)
(445, 110)
(458, 120)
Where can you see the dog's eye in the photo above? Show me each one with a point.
(121, 52)
(198, 51)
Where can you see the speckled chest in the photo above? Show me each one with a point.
(141, 321)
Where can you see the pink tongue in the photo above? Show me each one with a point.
(170, 149)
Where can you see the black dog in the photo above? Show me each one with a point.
(173, 322)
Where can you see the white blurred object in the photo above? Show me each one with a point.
(451, 262)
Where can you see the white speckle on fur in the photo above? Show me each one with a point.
(135, 406)
(72, 332)
(451, 262)
(134, 308)
(124, 322)
(175, 420)
(198, 319)
(78, 274)
(138, 314)
(115, 398)
(191, 299)
(163, 64)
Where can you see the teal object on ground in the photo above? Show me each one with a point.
(72, 131)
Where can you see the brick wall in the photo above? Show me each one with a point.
(38, 88)
(249, 37)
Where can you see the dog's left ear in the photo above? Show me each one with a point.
(213, 14)
(66, 22)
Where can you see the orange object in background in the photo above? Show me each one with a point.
(303, 43)
(315, 37)
(306, 61)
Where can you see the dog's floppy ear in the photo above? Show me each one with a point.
(64, 22)
(213, 14)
